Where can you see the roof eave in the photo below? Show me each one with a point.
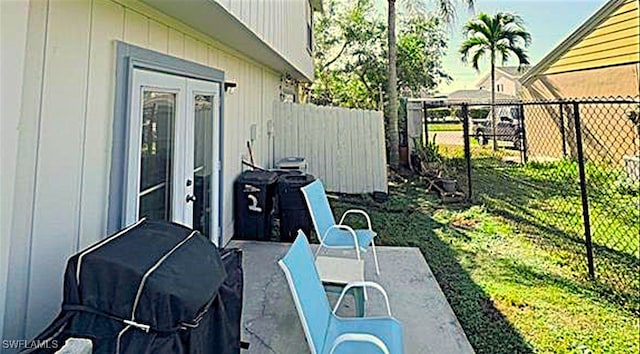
(208, 16)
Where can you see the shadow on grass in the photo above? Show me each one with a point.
(517, 198)
(405, 220)
(488, 329)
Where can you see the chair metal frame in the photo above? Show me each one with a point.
(341, 226)
(343, 337)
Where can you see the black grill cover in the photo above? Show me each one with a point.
(156, 274)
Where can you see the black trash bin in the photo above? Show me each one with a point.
(254, 192)
(294, 214)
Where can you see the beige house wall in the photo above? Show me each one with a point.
(511, 86)
(608, 134)
(13, 34)
(65, 135)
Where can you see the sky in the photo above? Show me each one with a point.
(548, 21)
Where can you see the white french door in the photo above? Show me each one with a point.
(173, 151)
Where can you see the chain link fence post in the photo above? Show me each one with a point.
(425, 123)
(583, 190)
(464, 110)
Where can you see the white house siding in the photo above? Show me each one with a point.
(510, 86)
(65, 135)
(13, 22)
(281, 23)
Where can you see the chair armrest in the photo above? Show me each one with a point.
(356, 211)
(349, 230)
(363, 284)
(359, 337)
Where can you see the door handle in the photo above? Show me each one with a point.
(191, 198)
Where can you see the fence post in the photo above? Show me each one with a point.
(564, 135)
(583, 190)
(467, 145)
(425, 124)
(524, 157)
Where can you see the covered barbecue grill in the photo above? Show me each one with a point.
(155, 287)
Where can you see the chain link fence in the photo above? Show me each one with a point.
(568, 172)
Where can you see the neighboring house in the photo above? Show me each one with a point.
(507, 80)
(477, 97)
(115, 109)
(601, 58)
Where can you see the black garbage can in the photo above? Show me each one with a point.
(294, 214)
(254, 193)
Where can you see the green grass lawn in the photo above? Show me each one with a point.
(445, 127)
(512, 264)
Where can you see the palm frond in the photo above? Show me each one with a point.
(501, 35)
(477, 29)
(517, 34)
(413, 8)
(446, 10)
(521, 54)
(476, 59)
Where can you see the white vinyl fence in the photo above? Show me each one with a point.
(345, 148)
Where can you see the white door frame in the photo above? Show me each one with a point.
(185, 90)
(207, 88)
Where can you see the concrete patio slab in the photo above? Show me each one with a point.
(271, 325)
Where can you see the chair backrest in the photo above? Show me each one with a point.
(308, 294)
(318, 206)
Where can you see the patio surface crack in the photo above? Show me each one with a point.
(272, 280)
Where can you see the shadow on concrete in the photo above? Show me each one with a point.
(405, 220)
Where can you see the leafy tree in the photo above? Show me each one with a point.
(348, 50)
(417, 8)
(421, 45)
(498, 37)
(351, 67)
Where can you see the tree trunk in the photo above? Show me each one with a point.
(394, 155)
(493, 101)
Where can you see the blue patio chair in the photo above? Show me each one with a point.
(324, 330)
(334, 235)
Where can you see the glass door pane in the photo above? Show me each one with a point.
(202, 163)
(156, 155)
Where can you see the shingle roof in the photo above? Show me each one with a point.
(477, 96)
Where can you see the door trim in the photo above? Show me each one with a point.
(128, 58)
(160, 82)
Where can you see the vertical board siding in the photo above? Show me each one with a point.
(14, 16)
(345, 148)
(55, 225)
(107, 25)
(280, 23)
(27, 149)
(158, 37)
(136, 28)
(176, 43)
(66, 134)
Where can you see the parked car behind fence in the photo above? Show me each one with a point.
(509, 127)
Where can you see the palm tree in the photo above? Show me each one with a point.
(392, 89)
(414, 8)
(496, 36)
